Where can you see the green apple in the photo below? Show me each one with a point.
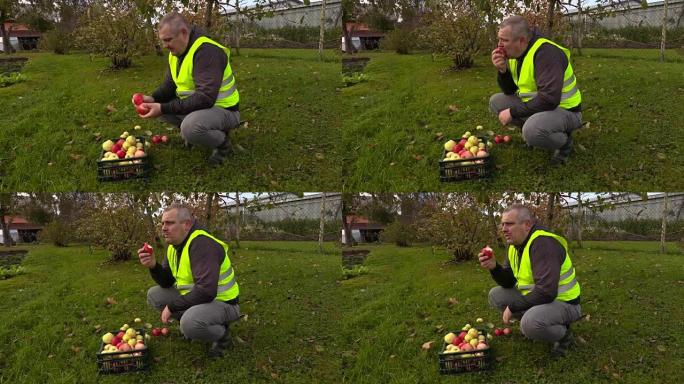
(107, 145)
(479, 320)
(449, 145)
(107, 338)
(449, 337)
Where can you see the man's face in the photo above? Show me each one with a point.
(173, 230)
(514, 231)
(514, 47)
(174, 42)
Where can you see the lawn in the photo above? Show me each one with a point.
(633, 103)
(289, 299)
(288, 98)
(633, 297)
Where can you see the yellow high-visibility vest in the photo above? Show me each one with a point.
(527, 86)
(228, 95)
(227, 285)
(568, 287)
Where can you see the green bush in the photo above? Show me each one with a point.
(400, 40)
(355, 78)
(401, 234)
(646, 229)
(645, 35)
(357, 270)
(56, 41)
(56, 233)
(302, 227)
(10, 271)
(7, 79)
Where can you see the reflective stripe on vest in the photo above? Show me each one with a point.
(527, 85)
(227, 288)
(228, 94)
(568, 287)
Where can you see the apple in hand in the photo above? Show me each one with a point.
(141, 109)
(138, 98)
(487, 252)
(147, 248)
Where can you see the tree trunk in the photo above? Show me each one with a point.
(321, 33)
(550, 209)
(157, 48)
(321, 226)
(238, 219)
(663, 227)
(663, 32)
(348, 47)
(208, 15)
(550, 16)
(6, 216)
(6, 44)
(580, 220)
(210, 207)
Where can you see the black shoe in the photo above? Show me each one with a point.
(187, 145)
(561, 347)
(219, 346)
(219, 154)
(561, 155)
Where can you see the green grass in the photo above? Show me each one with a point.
(634, 298)
(632, 101)
(289, 296)
(288, 98)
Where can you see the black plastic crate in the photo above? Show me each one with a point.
(124, 169)
(465, 361)
(466, 169)
(124, 361)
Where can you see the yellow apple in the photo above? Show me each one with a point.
(107, 338)
(107, 145)
(449, 337)
(131, 140)
(449, 145)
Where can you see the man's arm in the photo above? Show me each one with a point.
(550, 64)
(162, 274)
(206, 257)
(503, 275)
(209, 63)
(546, 257)
(506, 83)
(167, 89)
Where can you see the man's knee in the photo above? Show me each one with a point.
(495, 103)
(531, 325)
(153, 296)
(495, 296)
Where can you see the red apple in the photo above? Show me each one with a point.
(138, 98)
(463, 142)
(115, 148)
(487, 252)
(165, 331)
(120, 335)
(120, 142)
(115, 340)
(156, 139)
(498, 139)
(498, 332)
(147, 248)
(121, 153)
(458, 148)
(141, 109)
(506, 139)
(507, 331)
(156, 331)
(462, 335)
(164, 139)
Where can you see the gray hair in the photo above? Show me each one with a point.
(182, 211)
(519, 27)
(523, 212)
(175, 21)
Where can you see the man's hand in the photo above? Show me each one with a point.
(146, 259)
(505, 117)
(146, 99)
(166, 315)
(486, 262)
(499, 60)
(155, 110)
(507, 316)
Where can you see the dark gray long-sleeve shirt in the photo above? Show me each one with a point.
(208, 65)
(550, 64)
(546, 258)
(206, 257)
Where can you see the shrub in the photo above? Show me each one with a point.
(11, 271)
(357, 270)
(55, 233)
(400, 40)
(56, 41)
(7, 79)
(399, 233)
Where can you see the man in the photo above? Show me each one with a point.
(196, 281)
(199, 92)
(539, 88)
(537, 282)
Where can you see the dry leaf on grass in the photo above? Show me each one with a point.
(418, 157)
(111, 108)
(111, 301)
(452, 301)
(453, 108)
(427, 345)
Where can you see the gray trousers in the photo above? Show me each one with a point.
(205, 127)
(545, 322)
(548, 129)
(204, 322)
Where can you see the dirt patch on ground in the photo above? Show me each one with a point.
(12, 64)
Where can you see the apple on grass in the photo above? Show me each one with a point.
(506, 139)
(507, 331)
(498, 332)
(164, 139)
(156, 139)
(156, 331)
(164, 331)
